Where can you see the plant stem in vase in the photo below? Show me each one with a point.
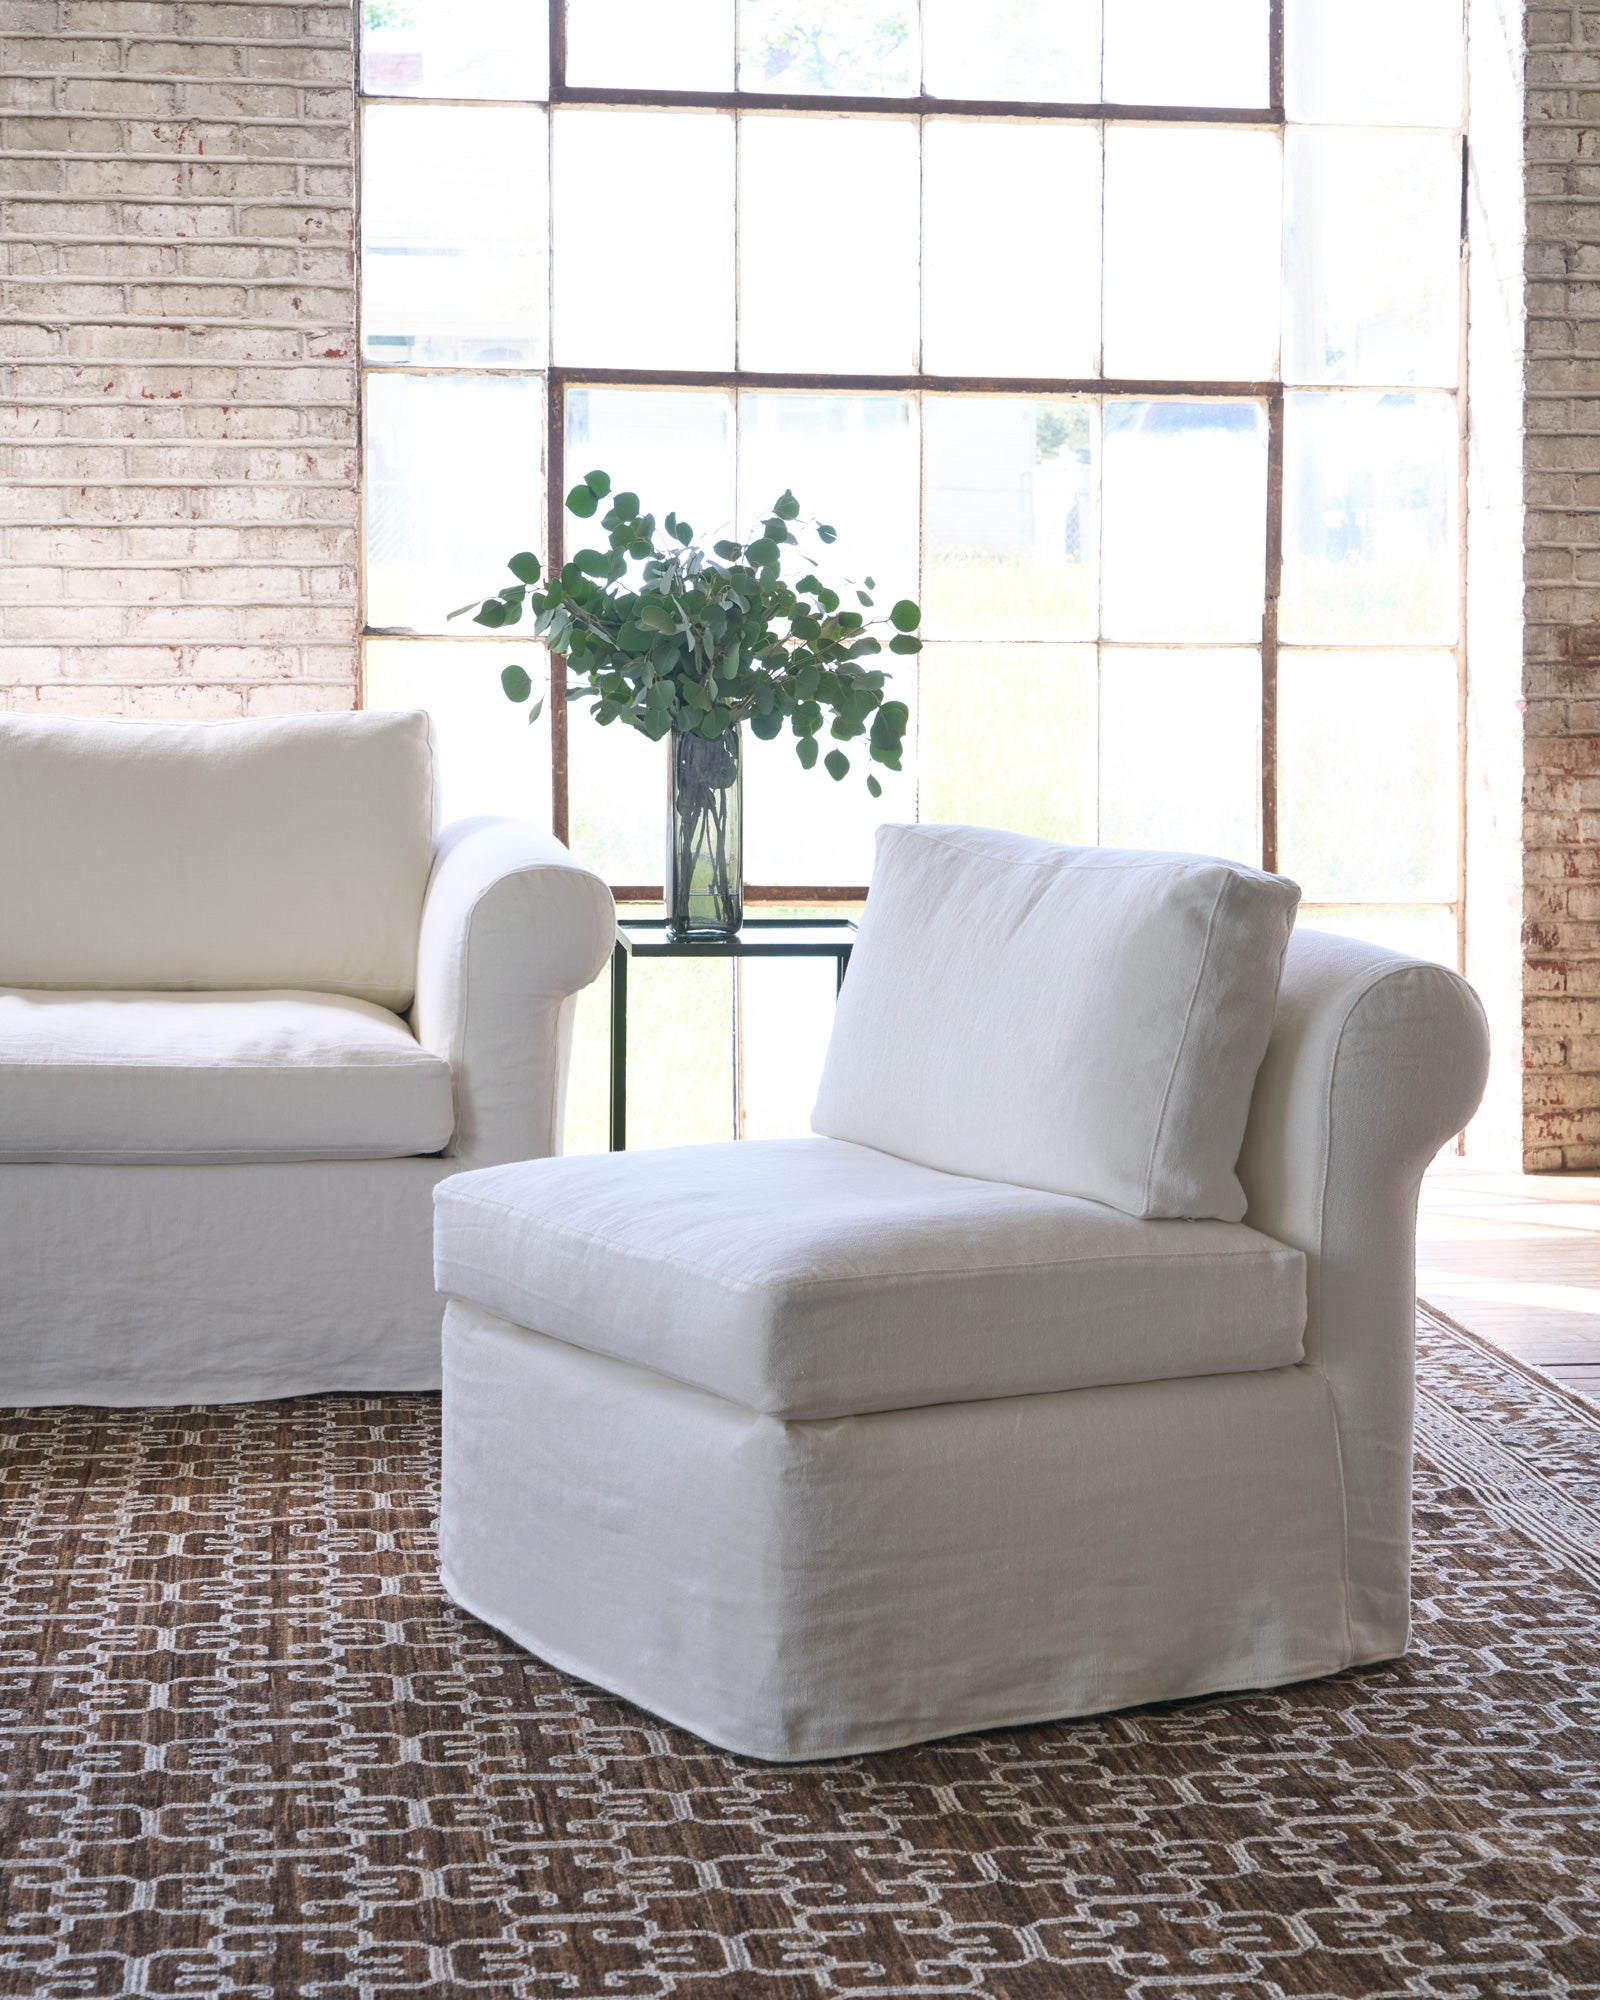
(705, 834)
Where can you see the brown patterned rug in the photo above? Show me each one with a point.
(250, 1749)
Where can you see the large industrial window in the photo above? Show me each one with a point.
(1127, 339)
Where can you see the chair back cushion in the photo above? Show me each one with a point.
(213, 856)
(1086, 1020)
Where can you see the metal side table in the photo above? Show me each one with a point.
(760, 937)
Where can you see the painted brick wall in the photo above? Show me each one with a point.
(178, 428)
(1562, 602)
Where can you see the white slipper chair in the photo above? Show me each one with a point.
(251, 1010)
(1068, 1368)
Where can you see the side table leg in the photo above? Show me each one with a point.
(619, 1047)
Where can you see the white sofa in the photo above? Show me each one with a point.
(252, 1008)
(1069, 1367)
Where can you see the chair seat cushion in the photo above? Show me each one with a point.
(815, 1278)
(163, 1077)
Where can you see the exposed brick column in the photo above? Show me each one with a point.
(1562, 603)
(177, 357)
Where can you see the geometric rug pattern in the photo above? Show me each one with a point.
(248, 1748)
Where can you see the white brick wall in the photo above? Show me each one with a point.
(178, 427)
(1561, 824)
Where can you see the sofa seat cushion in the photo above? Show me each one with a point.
(815, 1278)
(164, 1077)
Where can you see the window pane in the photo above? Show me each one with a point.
(454, 235)
(999, 299)
(785, 1019)
(1367, 775)
(1009, 535)
(1369, 526)
(680, 1053)
(673, 447)
(654, 305)
(1184, 520)
(851, 461)
(1192, 254)
(645, 45)
(455, 48)
(490, 759)
(455, 485)
(1332, 74)
(1186, 52)
(616, 799)
(1039, 779)
(803, 827)
(1180, 763)
(1372, 280)
(1424, 933)
(855, 48)
(1034, 51)
(848, 186)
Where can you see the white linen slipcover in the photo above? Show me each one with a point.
(289, 852)
(815, 1587)
(150, 1077)
(803, 1590)
(1084, 1020)
(249, 1280)
(138, 1287)
(811, 1278)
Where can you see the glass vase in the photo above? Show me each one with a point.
(705, 835)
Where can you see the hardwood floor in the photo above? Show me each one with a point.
(1516, 1257)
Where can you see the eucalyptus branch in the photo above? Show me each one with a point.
(664, 636)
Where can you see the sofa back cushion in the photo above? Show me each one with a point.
(1086, 1020)
(215, 856)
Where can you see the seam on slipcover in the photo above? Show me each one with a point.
(297, 1068)
(1344, 1508)
(1177, 1054)
(1190, 863)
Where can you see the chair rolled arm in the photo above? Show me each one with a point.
(512, 931)
(1375, 1061)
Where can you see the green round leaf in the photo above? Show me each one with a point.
(516, 682)
(806, 750)
(491, 613)
(766, 726)
(525, 567)
(762, 551)
(836, 764)
(905, 617)
(598, 483)
(582, 501)
(787, 508)
(825, 533)
(905, 642)
(625, 506)
(873, 787)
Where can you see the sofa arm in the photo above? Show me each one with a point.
(512, 930)
(1375, 1062)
